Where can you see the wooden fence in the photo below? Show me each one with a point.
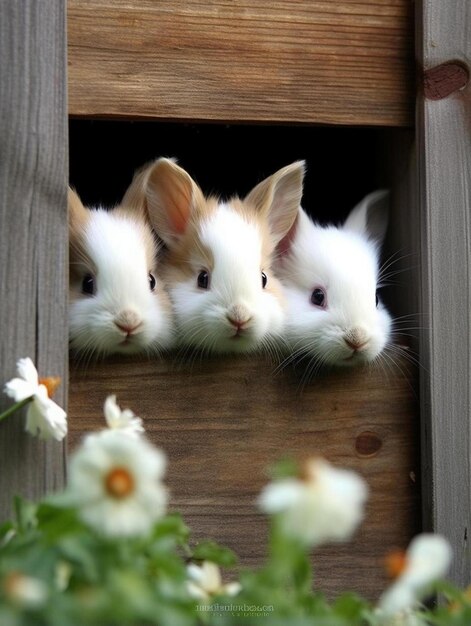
(33, 179)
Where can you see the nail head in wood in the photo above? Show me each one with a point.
(444, 79)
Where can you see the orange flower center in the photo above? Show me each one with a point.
(119, 483)
(309, 471)
(396, 563)
(12, 582)
(51, 383)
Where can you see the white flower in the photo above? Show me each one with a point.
(426, 560)
(44, 417)
(25, 590)
(205, 582)
(124, 421)
(327, 504)
(115, 481)
(404, 618)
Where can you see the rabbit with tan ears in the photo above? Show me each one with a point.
(330, 276)
(219, 253)
(117, 303)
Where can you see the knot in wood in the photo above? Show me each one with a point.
(368, 444)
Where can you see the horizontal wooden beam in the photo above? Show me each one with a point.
(288, 61)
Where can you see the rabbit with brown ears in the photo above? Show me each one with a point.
(218, 257)
(117, 302)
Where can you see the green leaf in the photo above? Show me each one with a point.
(211, 551)
(81, 551)
(25, 513)
(55, 521)
(173, 526)
(168, 566)
(5, 528)
(302, 573)
(350, 606)
(284, 468)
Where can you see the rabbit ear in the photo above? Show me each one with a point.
(285, 244)
(134, 199)
(171, 198)
(278, 198)
(78, 214)
(79, 217)
(370, 216)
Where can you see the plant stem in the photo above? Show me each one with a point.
(15, 407)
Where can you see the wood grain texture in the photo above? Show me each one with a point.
(444, 140)
(345, 62)
(224, 422)
(33, 229)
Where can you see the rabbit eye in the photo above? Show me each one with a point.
(203, 279)
(377, 299)
(151, 281)
(88, 285)
(318, 297)
(264, 280)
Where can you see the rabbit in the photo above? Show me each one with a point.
(117, 302)
(218, 256)
(330, 281)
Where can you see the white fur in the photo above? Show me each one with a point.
(235, 313)
(235, 281)
(343, 261)
(116, 246)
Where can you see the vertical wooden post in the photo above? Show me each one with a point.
(444, 150)
(33, 228)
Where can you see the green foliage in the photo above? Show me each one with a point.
(90, 580)
(55, 570)
(210, 551)
(284, 468)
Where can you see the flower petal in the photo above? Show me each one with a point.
(124, 421)
(25, 591)
(281, 495)
(196, 592)
(35, 425)
(90, 467)
(195, 572)
(27, 371)
(46, 419)
(429, 556)
(19, 389)
(327, 504)
(397, 598)
(232, 589)
(111, 410)
(211, 577)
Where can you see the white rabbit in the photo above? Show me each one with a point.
(117, 303)
(330, 280)
(219, 255)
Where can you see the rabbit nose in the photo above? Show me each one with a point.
(356, 339)
(238, 324)
(239, 316)
(127, 321)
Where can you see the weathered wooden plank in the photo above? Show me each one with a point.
(33, 228)
(444, 136)
(223, 422)
(290, 61)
